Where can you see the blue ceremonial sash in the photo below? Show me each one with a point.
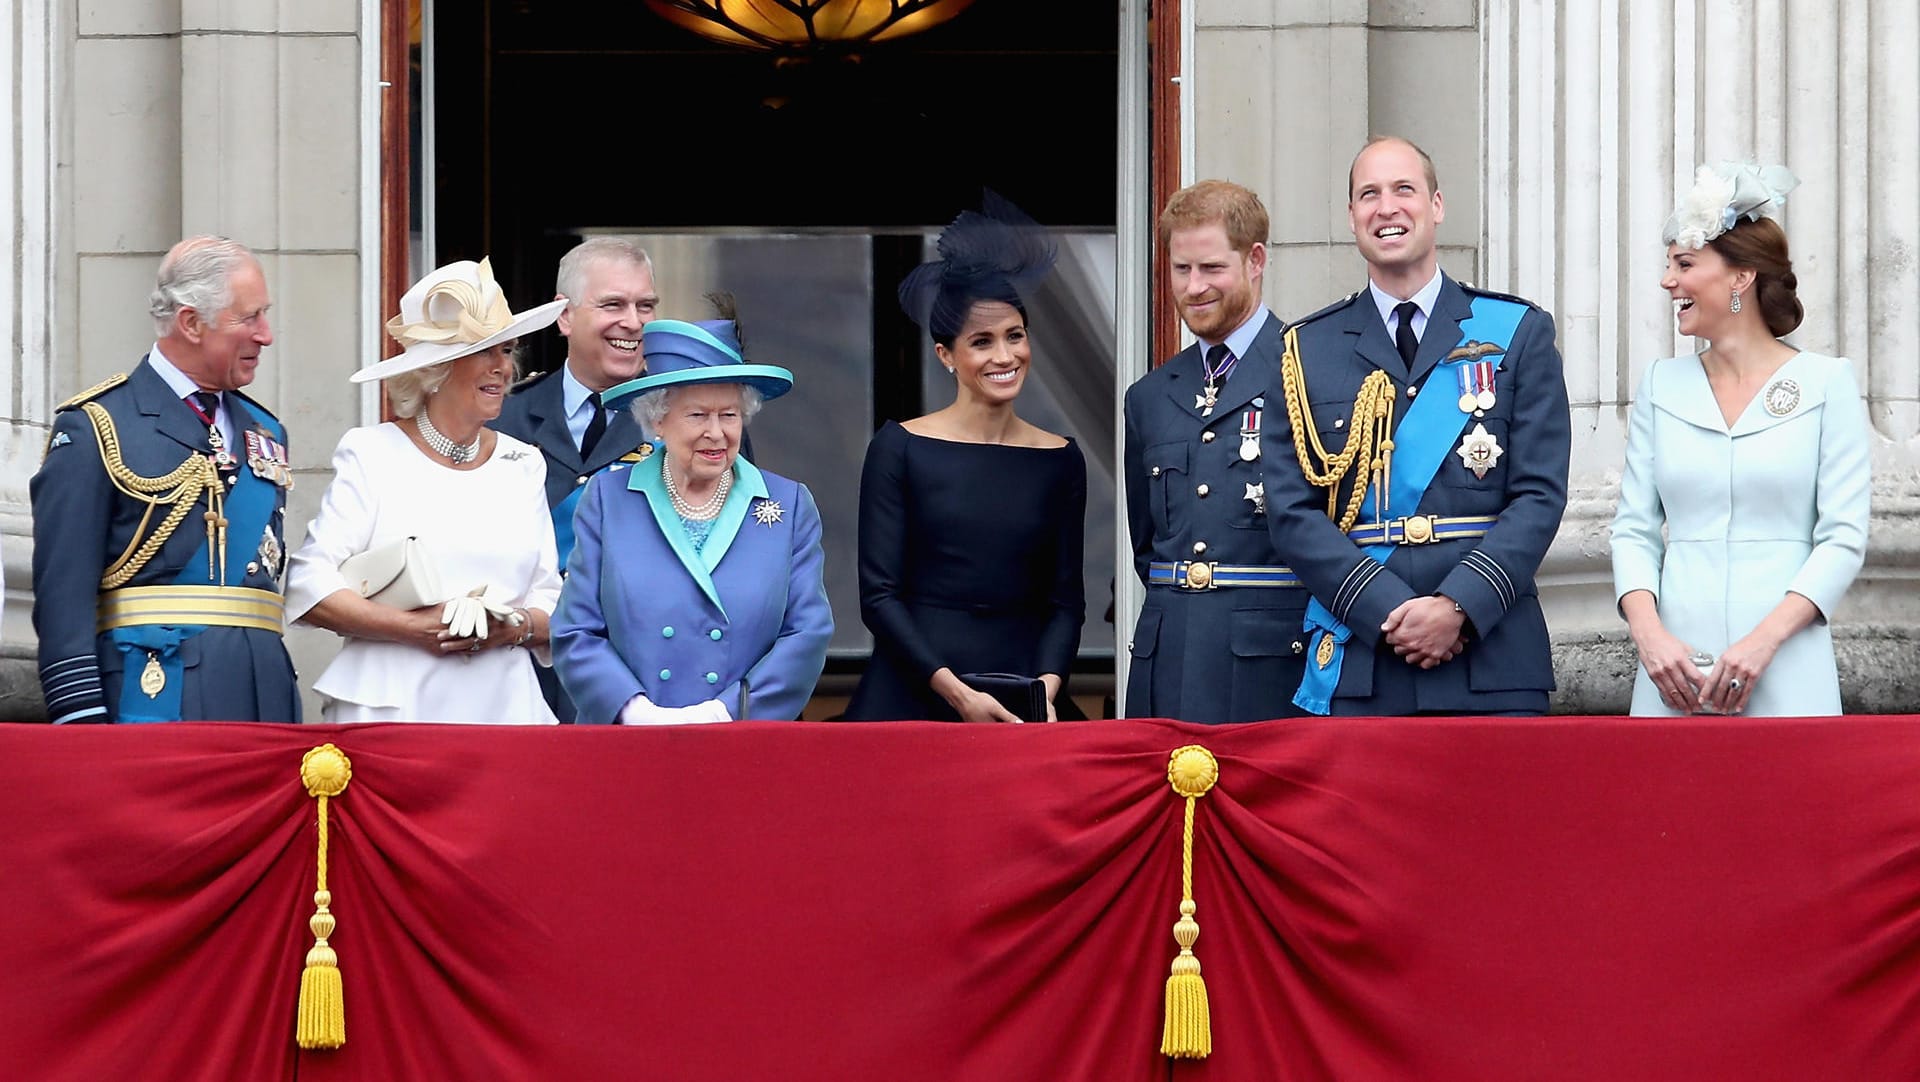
(249, 507)
(1420, 446)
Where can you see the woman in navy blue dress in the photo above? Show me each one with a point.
(971, 517)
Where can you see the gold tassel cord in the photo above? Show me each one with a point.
(322, 1022)
(1369, 439)
(1188, 1030)
(178, 490)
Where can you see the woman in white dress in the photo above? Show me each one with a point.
(474, 499)
(1753, 458)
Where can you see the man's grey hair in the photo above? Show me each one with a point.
(573, 266)
(197, 273)
(651, 408)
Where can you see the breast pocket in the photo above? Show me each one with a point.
(1480, 458)
(1167, 470)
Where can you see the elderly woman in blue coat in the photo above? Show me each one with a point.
(694, 591)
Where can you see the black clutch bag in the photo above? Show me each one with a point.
(1025, 697)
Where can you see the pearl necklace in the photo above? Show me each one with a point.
(460, 453)
(707, 510)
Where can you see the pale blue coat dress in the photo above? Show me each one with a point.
(743, 619)
(1777, 503)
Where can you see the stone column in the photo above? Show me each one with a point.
(166, 119)
(1581, 173)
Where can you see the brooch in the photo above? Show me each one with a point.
(767, 512)
(1782, 397)
(513, 456)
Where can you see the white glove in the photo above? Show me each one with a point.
(466, 616)
(639, 710)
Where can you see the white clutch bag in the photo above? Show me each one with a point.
(400, 574)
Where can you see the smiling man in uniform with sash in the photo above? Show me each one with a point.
(159, 518)
(1426, 431)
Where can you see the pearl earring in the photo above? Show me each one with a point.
(1734, 305)
(951, 372)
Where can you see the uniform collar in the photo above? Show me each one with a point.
(573, 393)
(177, 381)
(1241, 340)
(1425, 299)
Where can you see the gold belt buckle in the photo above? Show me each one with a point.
(1199, 575)
(1417, 529)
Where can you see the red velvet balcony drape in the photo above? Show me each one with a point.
(1562, 899)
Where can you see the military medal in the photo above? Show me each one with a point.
(1479, 451)
(1476, 385)
(1257, 496)
(1250, 436)
(1782, 397)
(267, 457)
(270, 552)
(222, 458)
(1215, 377)
(153, 678)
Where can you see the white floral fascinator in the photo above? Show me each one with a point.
(1723, 194)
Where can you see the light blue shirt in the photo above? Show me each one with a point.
(1241, 340)
(1424, 300)
(182, 385)
(573, 398)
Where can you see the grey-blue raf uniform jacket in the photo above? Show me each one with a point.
(1207, 655)
(82, 522)
(1507, 666)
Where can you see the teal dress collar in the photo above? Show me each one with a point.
(699, 561)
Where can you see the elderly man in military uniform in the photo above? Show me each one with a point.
(1218, 639)
(159, 517)
(1417, 471)
(607, 283)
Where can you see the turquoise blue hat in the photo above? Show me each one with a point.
(680, 353)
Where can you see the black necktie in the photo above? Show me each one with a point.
(209, 403)
(1403, 337)
(596, 427)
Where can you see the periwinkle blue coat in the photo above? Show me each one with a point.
(745, 620)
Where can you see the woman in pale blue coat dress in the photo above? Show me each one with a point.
(1754, 458)
(694, 592)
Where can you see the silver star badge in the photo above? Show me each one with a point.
(767, 512)
(1257, 495)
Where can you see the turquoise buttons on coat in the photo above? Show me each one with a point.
(666, 632)
(713, 678)
(714, 634)
(666, 674)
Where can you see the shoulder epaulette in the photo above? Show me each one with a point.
(256, 403)
(93, 392)
(530, 381)
(1328, 310)
(1496, 294)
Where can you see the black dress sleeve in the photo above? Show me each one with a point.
(883, 554)
(1066, 601)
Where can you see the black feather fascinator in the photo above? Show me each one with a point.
(994, 254)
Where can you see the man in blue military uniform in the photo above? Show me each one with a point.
(607, 283)
(1417, 471)
(159, 518)
(1219, 636)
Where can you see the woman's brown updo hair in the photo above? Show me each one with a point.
(1760, 245)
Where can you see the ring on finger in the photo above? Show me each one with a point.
(1734, 683)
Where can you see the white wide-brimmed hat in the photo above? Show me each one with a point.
(456, 310)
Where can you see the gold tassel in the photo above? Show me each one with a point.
(1188, 1032)
(322, 1021)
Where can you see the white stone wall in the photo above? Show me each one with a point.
(1558, 172)
(144, 122)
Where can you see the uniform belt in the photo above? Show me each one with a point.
(1421, 530)
(219, 606)
(1202, 575)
